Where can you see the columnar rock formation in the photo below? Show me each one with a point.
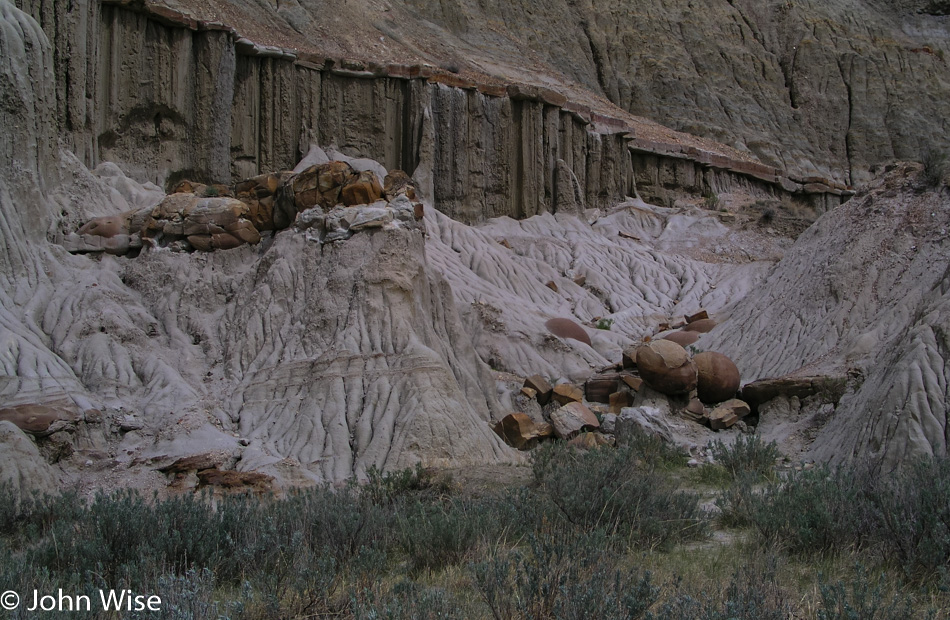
(170, 96)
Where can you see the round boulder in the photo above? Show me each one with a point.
(566, 328)
(683, 338)
(701, 326)
(666, 367)
(718, 377)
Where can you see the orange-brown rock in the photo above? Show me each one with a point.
(619, 400)
(398, 183)
(566, 328)
(695, 410)
(551, 284)
(39, 420)
(320, 185)
(225, 241)
(629, 358)
(566, 393)
(666, 367)
(682, 338)
(591, 441)
(727, 414)
(363, 189)
(717, 378)
(634, 383)
(521, 432)
(541, 386)
(571, 419)
(108, 226)
(692, 318)
(197, 462)
(260, 194)
(529, 393)
(701, 326)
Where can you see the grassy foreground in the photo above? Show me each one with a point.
(612, 533)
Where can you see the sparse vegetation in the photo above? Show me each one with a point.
(605, 324)
(935, 168)
(607, 533)
(710, 200)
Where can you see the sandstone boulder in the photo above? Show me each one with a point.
(566, 328)
(108, 226)
(682, 338)
(718, 377)
(566, 393)
(619, 400)
(727, 414)
(695, 410)
(700, 326)
(521, 432)
(320, 185)
(362, 189)
(666, 367)
(634, 383)
(540, 385)
(261, 194)
(570, 419)
(398, 183)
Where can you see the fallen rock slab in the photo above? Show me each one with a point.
(566, 393)
(570, 419)
(727, 414)
(762, 391)
(666, 367)
(521, 432)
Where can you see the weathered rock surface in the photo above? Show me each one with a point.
(570, 419)
(521, 432)
(666, 367)
(21, 465)
(862, 291)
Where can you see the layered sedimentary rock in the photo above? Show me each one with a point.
(307, 361)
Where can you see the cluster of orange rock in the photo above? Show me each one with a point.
(216, 217)
(701, 386)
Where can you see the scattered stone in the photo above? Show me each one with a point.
(692, 463)
(521, 432)
(551, 285)
(566, 393)
(644, 419)
(727, 414)
(108, 226)
(695, 410)
(261, 194)
(702, 314)
(580, 280)
(504, 243)
(701, 326)
(540, 385)
(666, 367)
(529, 392)
(128, 423)
(571, 419)
(608, 423)
(683, 339)
(678, 322)
(718, 377)
(566, 328)
(619, 400)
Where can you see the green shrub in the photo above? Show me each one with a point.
(737, 502)
(935, 168)
(747, 455)
(568, 575)
(753, 593)
(651, 450)
(618, 492)
(406, 601)
(605, 324)
(862, 599)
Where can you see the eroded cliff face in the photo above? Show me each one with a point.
(817, 88)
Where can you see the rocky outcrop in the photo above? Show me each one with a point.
(22, 468)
